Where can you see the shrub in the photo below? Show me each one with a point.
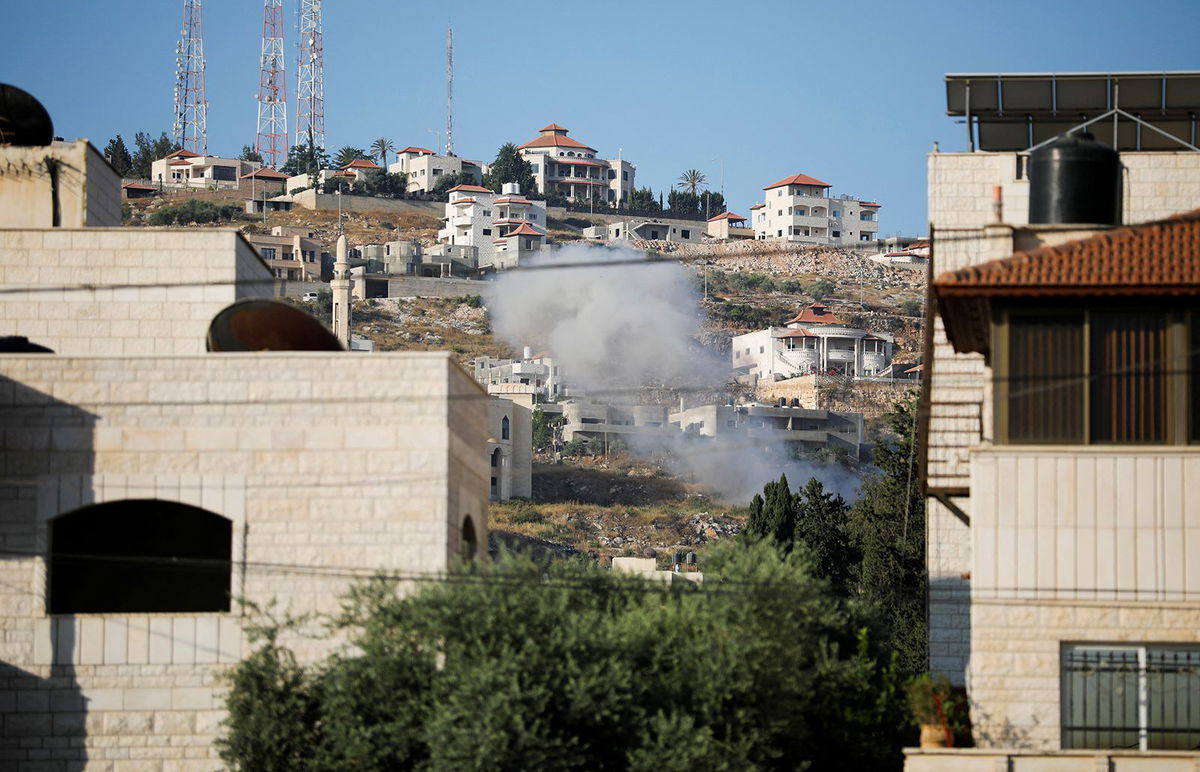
(821, 289)
(195, 211)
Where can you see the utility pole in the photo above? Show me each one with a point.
(191, 107)
(310, 77)
(449, 91)
(272, 136)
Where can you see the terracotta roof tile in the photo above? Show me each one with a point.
(471, 189)
(419, 150)
(817, 313)
(512, 200)
(525, 229)
(800, 333)
(362, 164)
(138, 186)
(553, 127)
(181, 153)
(757, 206)
(1156, 259)
(868, 203)
(726, 216)
(798, 179)
(265, 173)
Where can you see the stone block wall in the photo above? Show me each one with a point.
(328, 465)
(196, 271)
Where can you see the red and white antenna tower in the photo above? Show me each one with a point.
(191, 108)
(310, 77)
(272, 139)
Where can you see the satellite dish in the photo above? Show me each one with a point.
(23, 120)
(268, 325)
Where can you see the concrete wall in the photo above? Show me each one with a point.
(310, 199)
(72, 175)
(204, 270)
(264, 440)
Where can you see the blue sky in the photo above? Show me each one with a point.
(850, 92)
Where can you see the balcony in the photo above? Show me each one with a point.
(809, 221)
(840, 355)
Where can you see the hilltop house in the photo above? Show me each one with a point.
(567, 167)
(185, 169)
(426, 168)
(1058, 460)
(799, 208)
(147, 483)
(728, 226)
(290, 253)
(814, 341)
(498, 229)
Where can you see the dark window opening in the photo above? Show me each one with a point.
(469, 543)
(504, 428)
(139, 556)
(1045, 395)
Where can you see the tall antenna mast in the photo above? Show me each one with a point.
(310, 77)
(449, 91)
(271, 141)
(191, 107)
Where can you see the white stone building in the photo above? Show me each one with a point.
(185, 169)
(568, 167)
(814, 341)
(425, 168)
(1061, 548)
(217, 472)
(799, 208)
(499, 228)
(536, 370)
(648, 229)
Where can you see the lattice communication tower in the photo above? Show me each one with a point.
(449, 91)
(310, 77)
(272, 138)
(190, 126)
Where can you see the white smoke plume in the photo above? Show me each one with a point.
(621, 322)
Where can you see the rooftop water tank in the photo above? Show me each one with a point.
(1075, 180)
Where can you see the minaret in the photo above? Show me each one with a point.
(340, 287)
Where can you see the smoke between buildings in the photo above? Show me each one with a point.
(623, 325)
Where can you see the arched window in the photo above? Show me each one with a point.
(139, 556)
(469, 544)
(504, 429)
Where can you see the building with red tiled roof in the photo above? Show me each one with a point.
(564, 166)
(425, 168)
(361, 163)
(728, 226)
(799, 208)
(186, 169)
(491, 230)
(813, 342)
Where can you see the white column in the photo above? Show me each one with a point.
(340, 288)
(857, 357)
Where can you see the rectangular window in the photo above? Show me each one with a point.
(1129, 383)
(1103, 377)
(268, 253)
(487, 212)
(487, 231)
(686, 234)
(625, 176)
(836, 234)
(437, 172)
(1136, 697)
(1045, 396)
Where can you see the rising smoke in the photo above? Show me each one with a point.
(617, 322)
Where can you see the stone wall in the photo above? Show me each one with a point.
(327, 465)
(191, 275)
(871, 398)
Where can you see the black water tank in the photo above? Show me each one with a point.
(1075, 180)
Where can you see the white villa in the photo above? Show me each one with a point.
(537, 371)
(185, 169)
(569, 167)
(814, 341)
(648, 229)
(799, 208)
(498, 228)
(425, 168)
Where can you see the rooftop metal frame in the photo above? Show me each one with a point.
(1149, 111)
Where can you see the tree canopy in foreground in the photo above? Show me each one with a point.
(568, 666)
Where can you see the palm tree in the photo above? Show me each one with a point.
(348, 154)
(691, 181)
(380, 149)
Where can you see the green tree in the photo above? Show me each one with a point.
(305, 159)
(148, 151)
(118, 155)
(250, 154)
(380, 149)
(821, 289)
(643, 201)
(348, 154)
(691, 181)
(682, 203)
(441, 190)
(570, 666)
(711, 204)
(509, 166)
(543, 428)
(887, 524)
(821, 524)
